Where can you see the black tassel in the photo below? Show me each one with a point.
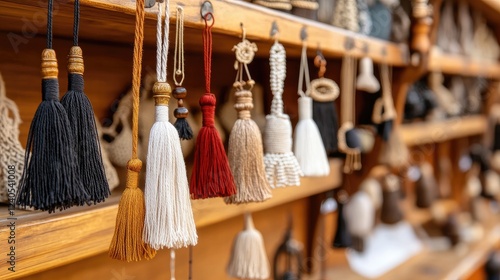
(325, 117)
(492, 267)
(81, 118)
(87, 147)
(342, 237)
(496, 138)
(181, 113)
(50, 179)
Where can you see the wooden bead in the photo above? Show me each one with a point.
(75, 61)
(179, 93)
(181, 112)
(161, 92)
(49, 64)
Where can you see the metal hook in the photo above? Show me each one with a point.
(274, 30)
(303, 33)
(206, 9)
(243, 31)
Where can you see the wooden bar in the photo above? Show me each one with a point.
(464, 66)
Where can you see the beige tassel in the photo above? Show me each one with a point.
(245, 151)
(248, 257)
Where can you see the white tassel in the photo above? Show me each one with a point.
(282, 168)
(360, 214)
(248, 257)
(308, 146)
(169, 218)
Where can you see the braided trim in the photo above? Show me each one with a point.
(284, 5)
(305, 4)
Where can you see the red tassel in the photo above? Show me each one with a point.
(211, 175)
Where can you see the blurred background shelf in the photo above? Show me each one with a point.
(464, 66)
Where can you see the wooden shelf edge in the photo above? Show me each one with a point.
(464, 66)
(115, 21)
(46, 241)
(434, 132)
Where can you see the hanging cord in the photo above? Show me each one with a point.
(172, 264)
(162, 29)
(76, 22)
(304, 71)
(136, 78)
(190, 276)
(49, 24)
(207, 47)
(179, 47)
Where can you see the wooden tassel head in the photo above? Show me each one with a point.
(75, 61)
(127, 244)
(49, 64)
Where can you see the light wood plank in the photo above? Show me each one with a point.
(434, 132)
(464, 66)
(47, 241)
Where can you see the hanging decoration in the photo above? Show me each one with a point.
(248, 256)
(391, 211)
(51, 179)
(288, 257)
(324, 92)
(282, 168)
(349, 140)
(169, 218)
(245, 151)
(360, 216)
(83, 127)
(308, 146)
(180, 93)
(394, 151)
(342, 237)
(346, 15)
(11, 150)
(211, 176)
(127, 243)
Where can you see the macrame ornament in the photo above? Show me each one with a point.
(342, 238)
(346, 15)
(324, 92)
(426, 188)
(11, 150)
(51, 178)
(305, 8)
(349, 140)
(169, 218)
(288, 259)
(127, 243)
(211, 175)
(391, 212)
(81, 119)
(394, 151)
(373, 189)
(282, 5)
(448, 36)
(248, 255)
(381, 20)
(366, 81)
(245, 150)
(282, 168)
(360, 215)
(180, 93)
(445, 98)
(308, 146)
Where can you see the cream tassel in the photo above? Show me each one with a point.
(282, 168)
(245, 151)
(169, 218)
(308, 145)
(248, 257)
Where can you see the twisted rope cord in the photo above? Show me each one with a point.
(162, 29)
(49, 24)
(136, 75)
(304, 71)
(76, 22)
(278, 75)
(207, 47)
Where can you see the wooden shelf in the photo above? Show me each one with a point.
(460, 65)
(428, 265)
(440, 131)
(114, 19)
(47, 241)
